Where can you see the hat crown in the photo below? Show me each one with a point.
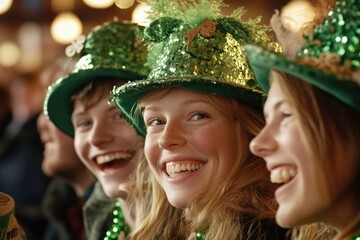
(211, 51)
(198, 49)
(101, 49)
(334, 46)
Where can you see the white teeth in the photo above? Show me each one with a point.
(174, 169)
(112, 157)
(282, 175)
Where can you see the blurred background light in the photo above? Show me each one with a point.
(124, 4)
(63, 5)
(9, 54)
(140, 14)
(296, 13)
(30, 43)
(66, 27)
(5, 5)
(99, 3)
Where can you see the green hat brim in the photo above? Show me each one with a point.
(262, 62)
(127, 97)
(58, 103)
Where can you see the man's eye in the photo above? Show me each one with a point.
(85, 123)
(155, 122)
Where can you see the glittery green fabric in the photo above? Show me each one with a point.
(329, 59)
(340, 34)
(202, 53)
(114, 49)
(113, 46)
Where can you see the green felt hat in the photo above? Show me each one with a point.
(113, 49)
(197, 49)
(329, 59)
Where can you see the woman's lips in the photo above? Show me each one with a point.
(174, 169)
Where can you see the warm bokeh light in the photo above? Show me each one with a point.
(297, 12)
(66, 27)
(5, 5)
(99, 3)
(124, 4)
(140, 15)
(63, 5)
(9, 54)
(30, 43)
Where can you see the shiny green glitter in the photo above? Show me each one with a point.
(119, 225)
(340, 34)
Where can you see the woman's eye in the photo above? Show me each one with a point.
(286, 114)
(198, 116)
(285, 117)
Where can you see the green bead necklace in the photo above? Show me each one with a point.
(199, 236)
(356, 237)
(119, 226)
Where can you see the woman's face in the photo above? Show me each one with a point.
(302, 187)
(190, 144)
(106, 143)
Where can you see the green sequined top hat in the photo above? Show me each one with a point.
(329, 58)
(198, 49)
(113, 49)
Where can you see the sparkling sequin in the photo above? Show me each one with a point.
(119, 225)
(199, 236)
(329, 59)
(339, 34)
(112, 49)
(218, 58)
(102, 49)
(197, 52)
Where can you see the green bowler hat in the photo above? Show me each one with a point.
(329, 59)
(113, 49)
(199, 49)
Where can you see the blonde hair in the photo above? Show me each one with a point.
(242, 207)
(325, 122)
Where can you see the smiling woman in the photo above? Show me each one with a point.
(198, 110)
(312, 132)
(190, 142)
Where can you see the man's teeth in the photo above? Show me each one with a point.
(112, 157)
(282, 175)
(174, 169)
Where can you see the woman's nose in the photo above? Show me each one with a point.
(172, 136)
(264, 143)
